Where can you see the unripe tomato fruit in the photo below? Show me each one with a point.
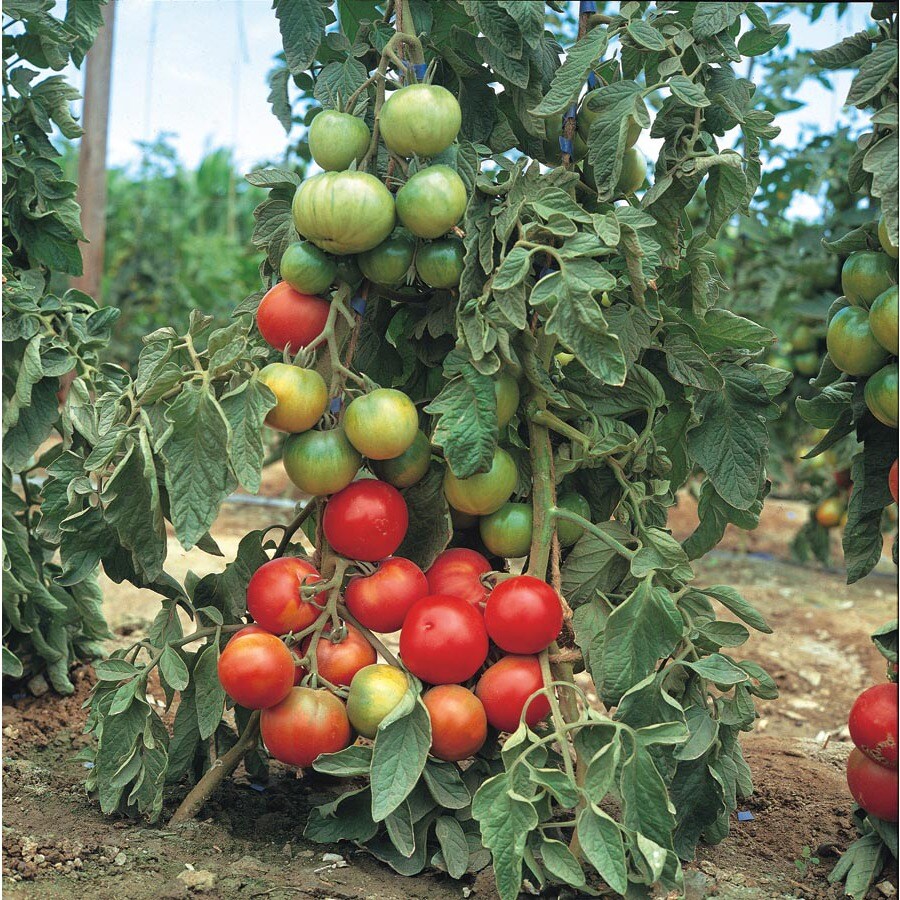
(306, 268)
(873, 723)
(523, 615)
(344, 212)
(851, 344)
(892, 481)
(301, 397)
(339, 662)
(256, 669)
(336, 139)
(348, 270)
(507, 531)
(382, 424)
(381, 601)
(591, 107)
(569, 532)
(374, 692)
(273, 595)
(390, 261)
(873, 787)
(803, 339)
(884, 320)
(409, 467)
(457, 573)
(420, 120)
(458, 722)
(634, 171)
(287, 318)
(806, 363)
(505, 687)
(304, 725)
(367, 520)
(881, 395)
(865, 275)
(443, 640)
(432, 201)
(885, 240)
(440, 263)
(829, 512)
(506, 391)
(321, 462)
(485, 492)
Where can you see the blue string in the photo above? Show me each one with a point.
(546, 271)
(566, 145)
(593, 81)
(588, 6)
(419, 68)
(571, 112)
(336, 404)
(358, 303)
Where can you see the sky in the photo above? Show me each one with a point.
(196, 69)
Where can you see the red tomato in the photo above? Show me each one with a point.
(367, 520)
(247, 629)
(504, 688)
(305, 724)
(892, 480)
(443, 640)
(273, 595)
(523, 615)
(873, 723)
(256, 669)
(339, 662)
(287, 317)
(458, 722)
(457, 573)
(381, 601)
(873, 787)
(842, 478)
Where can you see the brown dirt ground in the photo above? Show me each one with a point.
(57, 844)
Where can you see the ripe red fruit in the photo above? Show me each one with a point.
(523, 615)
(381, 601)
(286, 317)
(256, 669)
(367, 520)
(273, 595)
(338, 663)
(458, 722)
(306, 723)
(873, 723)
(873, 787)
(457, 573)
(506, 686)
(892, 481)
(443, 640)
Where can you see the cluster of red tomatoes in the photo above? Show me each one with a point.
(872, 765)
(447, 617)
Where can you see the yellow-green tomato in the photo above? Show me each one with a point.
(865, 275)
(485, 492)
(320, 462)
(507, 532)
(806, 363)
(374, 692)
(409, 467)
(569, 532)
(634, 171)
(300, 397)
(883, 320)
(307, 269)
(885, 239)
(420, 120)
(432, 201)
(851, 344)
(506, 390)
(337, 139)
(881, 395)
(382, 424)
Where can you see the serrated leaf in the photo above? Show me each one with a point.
(209, 693)
(453, 844)
(302, 27)
(570, 76)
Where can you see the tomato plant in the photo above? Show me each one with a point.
(389, 262)
(305, 724)
(367, 520)
(382, 424)
(307, 269)
(374, 692)
(883, 320)
(440, 263)
(507, 531)
(432, 201)
(865, 275)
(290, 320)
(482, 493)
(874, 787)
(409, 467)
(338, 661)
(420, 120)
(852, 345)
(380, 601)
(337, 139)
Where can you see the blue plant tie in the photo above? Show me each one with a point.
(592, 81)
(419, 68)
(588, 6)
(546, 271)
(570, 113)
(335, 405)
(745, 815)
(566, 145)
(358, 304)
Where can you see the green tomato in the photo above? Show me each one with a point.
(881, 395)
(300, 397)
(885, 239)
(781, 362)
(634, 171)
(569, 532)
(851, 344)
(485, 492)
(390, 261)
(382, 424)
(804, 339)
(348, 270)
(506, 390)
(865, 275)
(420, 120)
(432, 201)
(591, 107)
(409, 467)
(806, 363)
(507, 532)
(552, 150)
(337, 139)
(440, 263)
(321, 462)
(307, 269)
(344, 212)
(883, 320)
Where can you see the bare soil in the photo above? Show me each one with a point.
(249, 843)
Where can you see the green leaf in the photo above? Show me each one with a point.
(712, 17)
(601, 842)
(570, 76)
(845, 53)
(734, 602)
(399, 828)
(210, 695)
(726, 188)
(757, 41)
(346, 819)
(559, 861)
(876, 72)
(689, 92)
(647, 807)
(616, 103)
(114, 669)
(860, 866)
(302, 26)
(347, 763)
(646, 35)
(885, 639)
(445, 785)
(12, 665)
(173, 669)
(660, 552)
(718, 668)
(245, 409)
(453, 844)
(430, 527)
(592, 568)
(557, 782)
